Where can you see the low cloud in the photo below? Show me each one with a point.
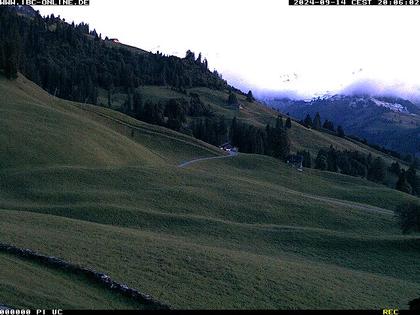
(374, 88)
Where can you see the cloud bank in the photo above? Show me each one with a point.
(375, 88)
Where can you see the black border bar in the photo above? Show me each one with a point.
(238, 312)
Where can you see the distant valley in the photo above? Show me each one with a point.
(388, 121)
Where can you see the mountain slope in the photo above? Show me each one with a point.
(390, 122)
(244, 232)
(259, 115)
(39, 130)
(73, 62)
(53, 288)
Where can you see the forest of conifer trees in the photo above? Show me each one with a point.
(72, 62)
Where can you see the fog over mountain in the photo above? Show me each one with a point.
(268, 48)
(388, 115)
(374, 88)
(358, 88)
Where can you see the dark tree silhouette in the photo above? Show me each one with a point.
(279, 122)
(249, 139)
(377, 171)
(414, 304)
(232, 99)
(11, 59)
(198, 61)
(413, 179)
(408, 215)
(321, 161)
(288, 123)
(316, 124)
(307, 122)
(250, 97)
(190, 56)
(73, 66)
(329, 125)
(402, 183)
(395, 168)
(340, 132)
(175, 113)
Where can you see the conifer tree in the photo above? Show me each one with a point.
(321, 160)
(402, 184)
(288, 123)
(175, 113)
(2, 56)
(233, 131)
(10, 59)
(109, 94)
(395, 168)
(250, 97)
(307, 122)
(377, 171)
(137, 104)
(278, 142)
(190, 56)
(408, 215)
(316, 124)
(332, 157)
(328, 125)
(279, 122)
(413, 179)
(340, 132)
(414, 304)
(232, 99)
(198, 61)
(221, 130)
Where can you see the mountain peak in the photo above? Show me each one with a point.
(395, 107)
(395, 104)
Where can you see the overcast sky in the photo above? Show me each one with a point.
(267, 45)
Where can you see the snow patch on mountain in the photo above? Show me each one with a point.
(395, 107)
(365, 101)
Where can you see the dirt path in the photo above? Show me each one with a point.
(231, 154)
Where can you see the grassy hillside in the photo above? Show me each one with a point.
(38, 130)
(243, 232)
(252, 113)
(26, 284)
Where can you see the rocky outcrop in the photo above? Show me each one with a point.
(99, 277)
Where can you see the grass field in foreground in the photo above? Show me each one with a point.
(243, 232)
(26, 284)
(224, 233)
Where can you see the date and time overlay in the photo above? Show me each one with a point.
(291, 2)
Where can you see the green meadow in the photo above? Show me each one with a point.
(100, 189)
(25, 284)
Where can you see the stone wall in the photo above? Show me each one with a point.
(102, 278)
